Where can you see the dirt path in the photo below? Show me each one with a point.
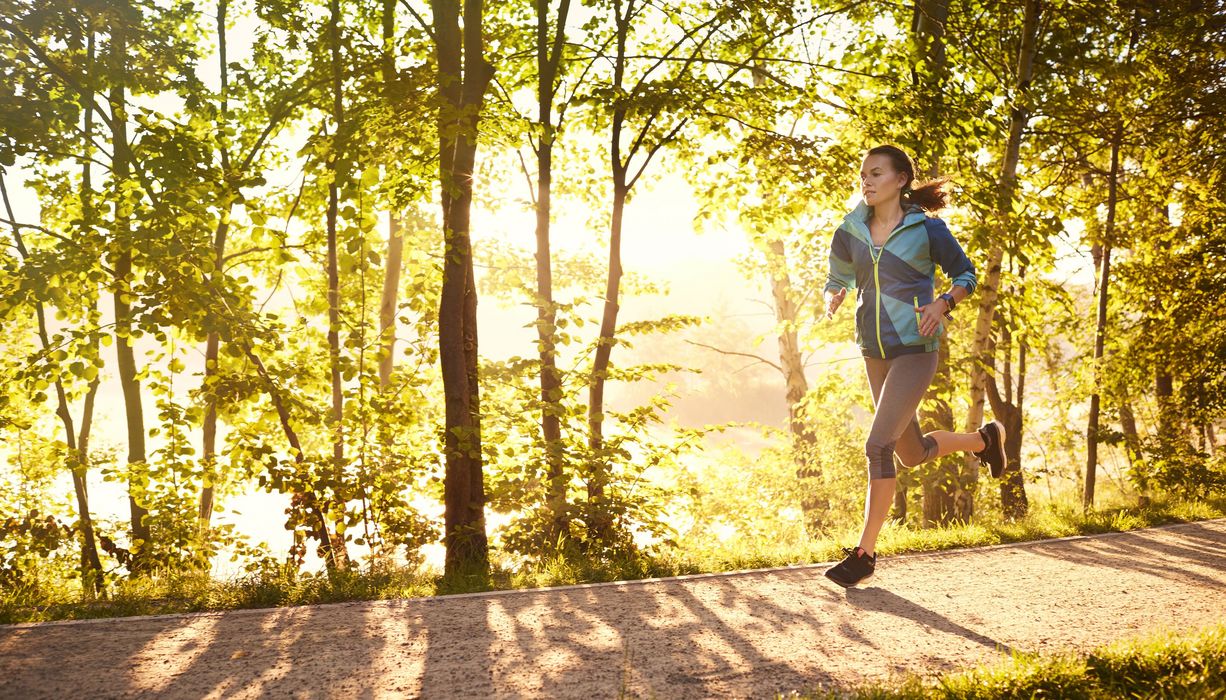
(748, 634)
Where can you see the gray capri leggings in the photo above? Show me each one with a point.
(898, 386)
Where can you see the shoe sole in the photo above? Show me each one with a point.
(866, 579)
(1000, 449)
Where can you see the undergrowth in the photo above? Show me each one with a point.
(271, 586)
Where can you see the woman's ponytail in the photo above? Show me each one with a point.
(930, 196)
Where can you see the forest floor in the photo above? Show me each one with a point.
(743, 634)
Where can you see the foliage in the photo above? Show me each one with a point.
(167, 195)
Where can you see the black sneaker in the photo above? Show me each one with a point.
(858, 567)
(993, 453)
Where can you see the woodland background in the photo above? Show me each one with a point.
(244, 244)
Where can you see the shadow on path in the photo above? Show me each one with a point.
(881, 600)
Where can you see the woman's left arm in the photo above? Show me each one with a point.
(947, 252)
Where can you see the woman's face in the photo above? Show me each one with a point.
(878, 180)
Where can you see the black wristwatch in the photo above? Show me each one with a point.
(949, 301)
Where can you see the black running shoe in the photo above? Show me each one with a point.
(858, 567)
(993, 453)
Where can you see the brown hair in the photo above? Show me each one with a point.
(930, 196)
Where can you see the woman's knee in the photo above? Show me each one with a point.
(880, 457)
(910, 457)
(913, 455)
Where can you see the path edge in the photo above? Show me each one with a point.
(427, 600)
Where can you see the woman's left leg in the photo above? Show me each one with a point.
(905, 384)
(948, 443)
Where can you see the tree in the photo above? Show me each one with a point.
(464, 75)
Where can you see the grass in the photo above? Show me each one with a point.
(194, 592)
(1161, 665)
(1058, 520)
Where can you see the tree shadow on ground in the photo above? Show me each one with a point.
(1150, 554)
(882, 600)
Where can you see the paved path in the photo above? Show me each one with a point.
(746, 634)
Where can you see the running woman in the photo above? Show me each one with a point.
(889, 248)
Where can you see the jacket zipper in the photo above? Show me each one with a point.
(917, 319)
(877, 282)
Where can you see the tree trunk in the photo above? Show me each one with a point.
(1132, 439)
(600, 526)
(89, 547)
(338, 557)
(1100, 332)
(1013, 500)
(804, 442)
(988, 288)
(945, 486)
(1169, 423)
(212, 343)
(395, 225)
(462, 94)
(126, 358)
(548, 58)
(387, 301)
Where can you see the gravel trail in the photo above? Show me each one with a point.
(743, 634)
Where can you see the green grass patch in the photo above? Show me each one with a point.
(181, 592)
(271, 587)
(1163, 665)
(1045, 522)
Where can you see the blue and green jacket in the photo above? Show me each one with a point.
(896, 278)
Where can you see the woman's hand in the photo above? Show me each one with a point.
(932, 316)
(833, 300)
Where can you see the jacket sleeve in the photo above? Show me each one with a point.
(842, 273)
(948, 253)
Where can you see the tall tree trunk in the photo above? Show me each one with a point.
(944, 487)
(988, 289)
(1013, 500)
(338, 554)
(91, 565)
(464, 76)
(212, 343)
(804, 443)
(125, 355)
(387, 301)
(1100, 332)
(89, 548)
(395, 225)
(1132, 446)
(600, 526)
(1132, 438)
(548, 57)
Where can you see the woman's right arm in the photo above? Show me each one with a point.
(842, 273)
